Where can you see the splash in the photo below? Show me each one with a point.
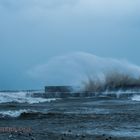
(12, 113)
(136, 98)
(8, 114)
(84, 69)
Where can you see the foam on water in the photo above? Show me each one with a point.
(76, 68)
(136, 98)
(21, 97)
(12, 113)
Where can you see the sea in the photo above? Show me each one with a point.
(101, 116)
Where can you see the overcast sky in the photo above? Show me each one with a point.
(34, 31)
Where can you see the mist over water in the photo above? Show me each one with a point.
(78, 67)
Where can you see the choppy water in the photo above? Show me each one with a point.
(17, 99)
(21, 97)
(118, 117)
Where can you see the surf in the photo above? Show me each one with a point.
(22, 97)
(89, 72)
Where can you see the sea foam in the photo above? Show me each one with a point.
(12, 113)
(136, 98)
(21, 97)
(82, 69)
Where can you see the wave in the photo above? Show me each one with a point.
(89, 72)
(27, 114)
(11, 113)
(40, 114)
(23, 113)
(136, 98)
(81, 67)
(21, 97)
(114, 81)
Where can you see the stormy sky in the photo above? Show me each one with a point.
(34, 31)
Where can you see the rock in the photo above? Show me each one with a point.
(103, 135)
(77, 135)
(20, 133)
(69, 130)
(83, 136)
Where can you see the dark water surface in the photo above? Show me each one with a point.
(96, 118)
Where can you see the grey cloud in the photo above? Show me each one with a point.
(33, 31)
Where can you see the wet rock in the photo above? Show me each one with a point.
(103, 135)
(77, 135)
(83, 136)
(32, 138)
(30, 134)
(20, 133)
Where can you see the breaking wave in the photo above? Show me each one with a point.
(21, 97)
(89, 72)
(22, 113)
(27, 114)
(11, 113)
(136, 98)
(116, 81)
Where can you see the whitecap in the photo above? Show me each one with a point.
(21, 97)
(12, 113)
(136, 98)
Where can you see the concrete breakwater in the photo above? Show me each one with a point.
(69, 91)
(63, 94)
(85, 94)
